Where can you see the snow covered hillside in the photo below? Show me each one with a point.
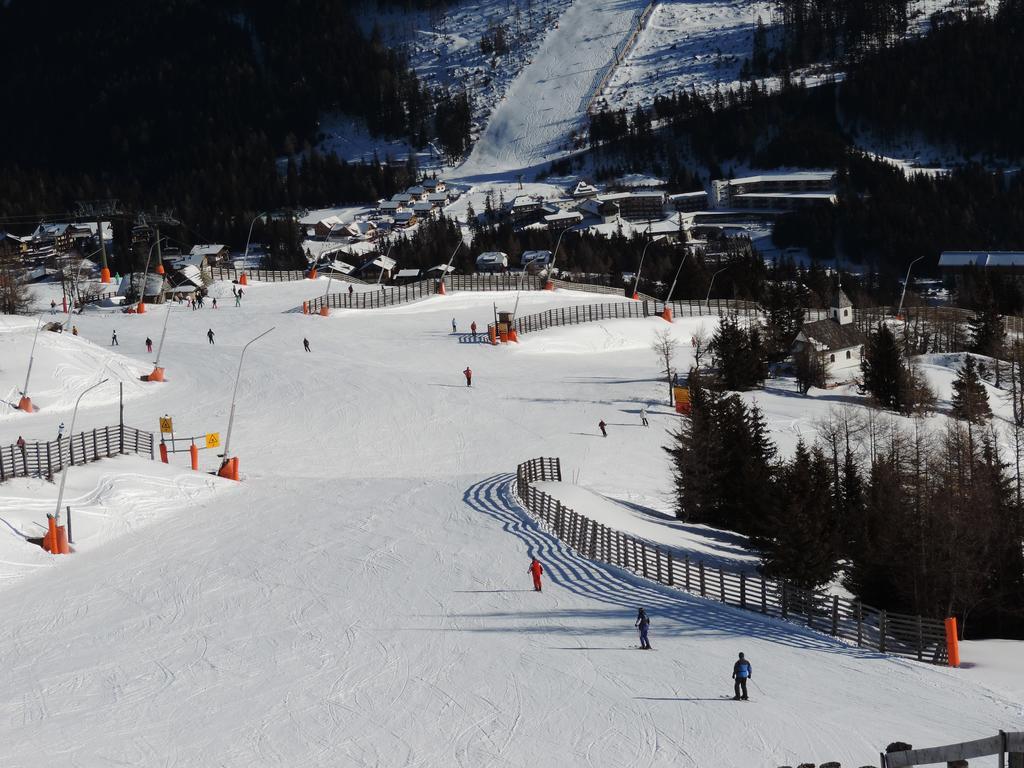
(361, 597)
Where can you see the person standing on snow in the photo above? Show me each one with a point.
(305, 344)
(536, 569)
(741, 672)
(74, 330)
(113, 340)
(468, 373)
(149, 344)
(209, 335)
(453, 326)
(602, 425)
(60, 431)
(472, 328)
(643, 416)
(53, 306)
(214, 302)
(642, 623)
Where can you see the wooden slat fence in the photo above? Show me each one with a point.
(1002, 744)
(912, 637)
(590, 313)
(386, 296)
(610, 290)
(47, 458)
(262, 275)
(498, 281)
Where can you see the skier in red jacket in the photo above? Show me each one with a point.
(536, 569)
(469, 376)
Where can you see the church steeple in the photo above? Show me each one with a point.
(840, 307)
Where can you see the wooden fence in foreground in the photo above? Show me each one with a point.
(1003, 744)
(912, 637)
(45, 459)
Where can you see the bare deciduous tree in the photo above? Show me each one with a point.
(664, 346)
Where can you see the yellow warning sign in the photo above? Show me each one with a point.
(166, 425)
(213, 439)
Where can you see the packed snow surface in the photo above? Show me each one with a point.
(361, 597)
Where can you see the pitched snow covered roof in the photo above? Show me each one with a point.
(207, 249)
(832, 335)
(840, 299)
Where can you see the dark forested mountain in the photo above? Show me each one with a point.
(190, 102)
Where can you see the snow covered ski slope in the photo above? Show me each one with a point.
(361, 597)
(548, 100)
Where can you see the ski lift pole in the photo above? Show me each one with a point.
(31, 357)
(163, 334)
(231, 417)
(71, 436)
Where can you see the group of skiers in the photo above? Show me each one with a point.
(742, 671)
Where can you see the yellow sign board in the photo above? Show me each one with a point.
(213, 439)
(166, 425)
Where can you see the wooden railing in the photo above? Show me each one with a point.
(1002, 744)
(262, 275)
(45, 459)
(913, 637)
(386, 296)
(590, 313)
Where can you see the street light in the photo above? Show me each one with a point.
(636, 283)
(906, 280)
(548, 284)
(71, 436)
(231, 418)
(667, 313)
(707, 299)
(25, 404)
(245, 257)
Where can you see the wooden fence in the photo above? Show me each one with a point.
(498, 281)
(1002, 744)
(590, 313)
(262, 275)
(901, 635)
(46, 459)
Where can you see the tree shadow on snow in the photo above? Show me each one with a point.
(673, 612)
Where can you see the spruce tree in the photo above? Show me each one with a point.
(970, 400)
(884, 376)
(988, 335)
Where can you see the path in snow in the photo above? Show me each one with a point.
(547, 102)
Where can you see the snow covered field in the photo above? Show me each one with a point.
(361, 597)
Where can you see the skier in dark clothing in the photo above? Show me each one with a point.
(469, 376)
(305, 344)
(602, 425)
(209, 335)
(642, 623)
(149, 344)
(741, 672)
(113, 340)
(536, 569)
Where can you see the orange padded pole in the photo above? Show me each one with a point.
(194, 453)
(163, 452)
(952, 642)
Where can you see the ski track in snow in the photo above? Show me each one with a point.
(361, 598)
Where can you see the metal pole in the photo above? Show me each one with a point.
(71, 434)
(707, 299)
(163, 334)
(231, 417)
(905, 281)
(668, 296)
(245, 257)
(386, 257)
(636, 282)
(551, 267)
(31, 357)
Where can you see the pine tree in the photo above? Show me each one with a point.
(970, 400)
(988, 334)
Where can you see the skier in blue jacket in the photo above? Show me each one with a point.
(642, 623)
(741, 672)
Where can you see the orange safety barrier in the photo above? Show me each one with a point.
(324, 311)
(104, 275)
(141, 309)
(952, 642)
(503, 335)
(666, 314)
(492, 335)
(160, 269)
(312, 274)
(63, 548)
(229, 469)
(50, 539)
(193, 451)
(636, 296)
(549, 286)
(513, 336)
(163, 452)
(25, 404)
(441, 289)
(242, 279)
(305, 307)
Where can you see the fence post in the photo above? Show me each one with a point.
(700, 567)
(764, 596)
(671, 576)
(785, 608)
(920, 639)
(860, 623)
(643, 555)
(835, 615)
(593, 539)
(657, 563)
(881, 631)
(686, 570)
(49, 462)
(743, 590)
(95, 447)
(721, 584)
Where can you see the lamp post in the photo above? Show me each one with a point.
(636, 283)
(242, 280)
(899, 309)
(25, 404)
(145, 278)
(707, 299)
(667, 313)
(229, 468)
(71, 436)
(548, 284)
